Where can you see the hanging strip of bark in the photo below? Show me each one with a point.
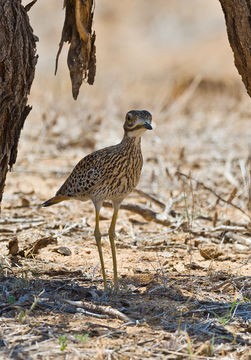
(238, 21)
(17, 68)
(77, 31)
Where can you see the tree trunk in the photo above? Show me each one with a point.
(17, 68)
(238, 21)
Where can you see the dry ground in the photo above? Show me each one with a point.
(185, 284)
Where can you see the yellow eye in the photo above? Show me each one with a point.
(129, 119)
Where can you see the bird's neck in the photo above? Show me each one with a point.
(131, 140)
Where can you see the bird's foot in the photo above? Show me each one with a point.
(111, 290)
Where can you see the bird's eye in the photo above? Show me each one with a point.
(129, 119)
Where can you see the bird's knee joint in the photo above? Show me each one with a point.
(97, 235)
(112, 235)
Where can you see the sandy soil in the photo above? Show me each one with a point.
(184, 273)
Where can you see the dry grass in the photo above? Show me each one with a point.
(185, 279)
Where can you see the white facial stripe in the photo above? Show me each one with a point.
(136, 133)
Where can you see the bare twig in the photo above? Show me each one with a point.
(179, 173)
(116, 330)
(228, 228)
(238, 267)
(151, 198)
(20, 220)
(94, 309)
(88, 313)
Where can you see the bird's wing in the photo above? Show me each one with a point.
(87, 174)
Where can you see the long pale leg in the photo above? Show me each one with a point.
(112, 237)
(97, 235)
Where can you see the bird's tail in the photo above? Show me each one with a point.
(56, 199)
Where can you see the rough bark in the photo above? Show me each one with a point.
(17, 67)
(238, 21)
(77, 30)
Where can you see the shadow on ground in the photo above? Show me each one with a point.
(49, 306)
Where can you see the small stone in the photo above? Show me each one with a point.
(63, 250)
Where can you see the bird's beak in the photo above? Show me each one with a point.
(146, 125)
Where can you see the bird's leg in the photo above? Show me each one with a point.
(97, 235)
(112, 237)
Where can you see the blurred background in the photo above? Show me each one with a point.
(169, 57)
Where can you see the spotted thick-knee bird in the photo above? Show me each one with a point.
(108, 174)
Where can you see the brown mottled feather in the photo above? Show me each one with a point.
(109, 173)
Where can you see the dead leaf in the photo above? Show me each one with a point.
(39, 244)
(77, 30)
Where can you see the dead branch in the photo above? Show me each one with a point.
(146, 213)
(94, 310)
(88, 313)
(240, 229)
(151, 198)
(21, 220)
(161, 218)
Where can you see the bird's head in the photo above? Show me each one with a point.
(137, 122)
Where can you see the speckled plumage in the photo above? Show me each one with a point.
(108, 174)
